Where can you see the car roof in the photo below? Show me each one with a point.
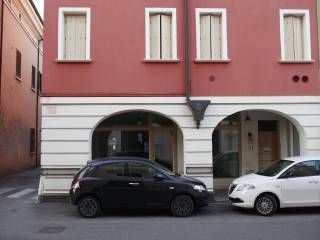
(302, 158)
(100, 161)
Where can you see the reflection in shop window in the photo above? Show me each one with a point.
(225, 149)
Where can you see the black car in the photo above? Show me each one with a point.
(124, 182)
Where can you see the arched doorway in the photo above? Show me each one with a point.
(248, 141)
(139, 134)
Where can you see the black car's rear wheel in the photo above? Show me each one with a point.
(182, 206)
(89, 207)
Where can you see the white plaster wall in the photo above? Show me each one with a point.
(67, 125)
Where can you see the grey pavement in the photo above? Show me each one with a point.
(22, 218)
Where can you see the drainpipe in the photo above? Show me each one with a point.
(197, 107)
(318, 24)
(1, 38)
(38, 92)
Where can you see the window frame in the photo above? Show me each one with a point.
(18, 65)
(307, 33)
(173, 12)
(33, 138)
(33, 78)
(61, 33)
(224, 33)
(300, 163)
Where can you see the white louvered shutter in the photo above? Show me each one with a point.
(205, 38)
(166, 36)
(216, 43)
(294, 38)
(75, 37)
(298, 38)
(155, 35)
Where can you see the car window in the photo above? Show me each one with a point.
(107, 170)
(139, 170)
(318, 166)
(304, 169)
(275, 168)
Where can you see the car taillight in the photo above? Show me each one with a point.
(76, 182)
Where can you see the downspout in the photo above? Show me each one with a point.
(1, 39)
(38, 92)
(197, 107)
(318, 25)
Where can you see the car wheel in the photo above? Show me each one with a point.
(266, 205)
(89, 207)
(182, 206)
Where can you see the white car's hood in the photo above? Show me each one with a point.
(251, 178)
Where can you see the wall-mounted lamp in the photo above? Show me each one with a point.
(247, 119)
(250, 137)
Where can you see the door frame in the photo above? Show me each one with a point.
(225, 182)
(278, 150)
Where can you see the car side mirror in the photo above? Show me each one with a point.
(159, 177)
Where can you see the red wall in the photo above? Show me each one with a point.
(118, 50)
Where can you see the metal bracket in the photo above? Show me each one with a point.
(198, 108)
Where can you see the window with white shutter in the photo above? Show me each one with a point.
(210, 37)
(160, 34)
(295, 35)
(211, 34)
(74, 34)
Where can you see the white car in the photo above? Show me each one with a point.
(291, 182)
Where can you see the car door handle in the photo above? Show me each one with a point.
(314, 181)
(134, 184)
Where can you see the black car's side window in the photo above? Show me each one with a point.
(304, 169)
(108, 170)
(138, 170)
(318, 167)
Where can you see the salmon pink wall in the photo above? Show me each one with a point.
(18, 100)
(118, 50)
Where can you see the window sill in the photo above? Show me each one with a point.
(19, 79)
(296, 62)
(212, 60)
(161, 60)
(73, 61)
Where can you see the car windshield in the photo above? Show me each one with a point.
(167, 171)
(275, 168)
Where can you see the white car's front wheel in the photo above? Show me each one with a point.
(266, 205)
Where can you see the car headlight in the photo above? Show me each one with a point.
(199, 188)
(244, 187)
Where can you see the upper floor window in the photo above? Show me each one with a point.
(295, 35)
(74, 34)
(33, 77)
(32, 140)
(211, 28)
(18, 64)
(161, 34)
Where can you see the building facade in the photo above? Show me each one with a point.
(21, 61)
(205, 87)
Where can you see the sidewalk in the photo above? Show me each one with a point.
(27, 178)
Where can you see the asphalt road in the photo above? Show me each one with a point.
(22, 218)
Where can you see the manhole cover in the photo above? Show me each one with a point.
(52, 230)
